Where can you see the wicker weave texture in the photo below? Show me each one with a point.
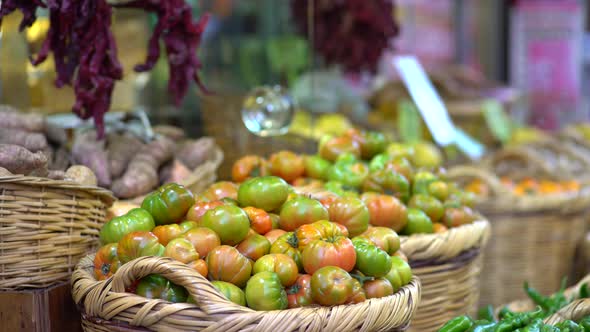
(106, 306)
(46, 226)
(448, 265)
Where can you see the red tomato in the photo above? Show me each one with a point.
(273, 235)
(138, 244)
(377, 288)
(331, 285)
(220, 190)
(283, 265)
(181, 250)
(338, 251)
(248, 167)
(386, 211)
(254, 247)
(198, 210)
(286, 165)
(203, 239)
(332, 147)
(350, 212)
(260, 220)
(226, 263)
(166, 233)
(384, 238)
(300, 211)
(299, 294)
(106, 261)
(200, 266)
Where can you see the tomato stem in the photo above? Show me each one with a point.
(361, 278)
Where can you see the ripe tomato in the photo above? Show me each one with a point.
(331, 285)
(455, 217)
(166, 233)
(200, 266)
(203, 239)
(137, 244)
(318, 230)
(248, 167)
(299, 294)
(384, 238)
(254, 247)
(231, 292)
(439, 228)
(332, 147)
(300, 211)
(198, 210)
(260, 220)
(288, 244)
(265, 292)
(386, 211)
(283, 265)
(229, 222)
(182, 250)
(358, 293)
(267, 193)
(337, 251)
(377, 288)
(106, 261)
(226, 263)
(273, 235)
(350, 212)
(286, 165)
(220, 190)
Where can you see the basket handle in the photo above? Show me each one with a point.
(202, 291)
(519, 153)
(574, 311)
(489, 178)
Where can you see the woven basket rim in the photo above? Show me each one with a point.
(440, 247)
(85, 288)
(104, 195)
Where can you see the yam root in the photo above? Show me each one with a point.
(5, 172)
(90, 152)
(172, 132)
(10, 117)
(141, 175)
(31, 141)
(121, 149)
(19, 160)
(195, 152)
(175, 172)
(81, 175)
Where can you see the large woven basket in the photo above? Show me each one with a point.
(449, 266)
(46, 226)
(535, 237)
(106, 307)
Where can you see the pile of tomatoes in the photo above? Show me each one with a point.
(402, 186)
(527, 186)
(261, 245)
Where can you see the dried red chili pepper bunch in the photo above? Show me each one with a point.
(351, 33)
(85, 52)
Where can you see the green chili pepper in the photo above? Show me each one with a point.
(486, 313)
(584, 292)
(457, 324)
(585, 323)
(505, 313)
(569, 326)
(539, 299)
(483, 326)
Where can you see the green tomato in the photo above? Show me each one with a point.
(346, 158)
(138, 244)
(349, 174)
(316, 167)
(433, 208)
(267, 193)
(394, 278)
(300, 211)
(169, 204)
(422, 181)
(229, 222)
(155, 286)
(264, 291)
(230, 291)
(389, 182)
(403, 268)
(418, 222)
(379, 161)
(371, 260)
(135, 220)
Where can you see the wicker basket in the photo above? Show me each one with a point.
(535, 237)
(448, 265)
(46, 226)
(106, 307)
(575, 311)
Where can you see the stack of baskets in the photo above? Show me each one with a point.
(535, 236)
(46, 227)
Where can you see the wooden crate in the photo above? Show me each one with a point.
(39, 310)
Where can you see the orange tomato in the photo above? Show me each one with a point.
(260, 220)
(200, 266)
(248, 167)
(439, 228)
(478, 187)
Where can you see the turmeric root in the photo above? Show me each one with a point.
(18, 160)
(91, 153)
(31, 141)
(141, 175)
(10, 117)
(195, 152)
(121, 149)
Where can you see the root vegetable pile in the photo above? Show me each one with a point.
(85, 53)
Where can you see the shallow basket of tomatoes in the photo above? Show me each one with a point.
(536, 216)
(106, 306)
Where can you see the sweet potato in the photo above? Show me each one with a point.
(174, 133)
(18, 160)
(91, 153)
(193, 153)
(31, 141)
(141, 175)
(175, 172)
(121, 149)
(10, 117)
